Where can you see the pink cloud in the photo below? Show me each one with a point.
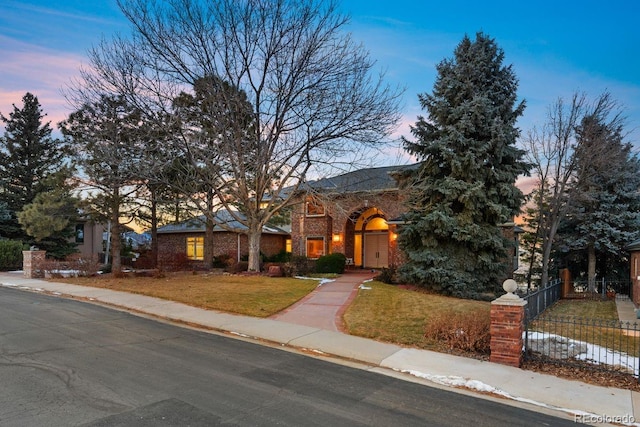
(43, 72)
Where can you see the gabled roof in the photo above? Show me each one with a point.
(371, 179)
(197, 225)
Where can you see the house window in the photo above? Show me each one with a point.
(314, 209)
(288, 246)
(195, 248)
(79, 233)
(315, 247)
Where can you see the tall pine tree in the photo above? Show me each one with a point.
(29, 157)
(604, 215)
(464, 189)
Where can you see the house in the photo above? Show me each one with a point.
(352, 214)
(358, 214)
(186, 240)
(634, 270)
(89, 236)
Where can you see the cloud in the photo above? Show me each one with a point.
(43, 72)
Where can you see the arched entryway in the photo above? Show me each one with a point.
(370, 233)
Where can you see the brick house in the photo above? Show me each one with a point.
(358, 214)
(634, 270)
(186, 240)
(352, 214)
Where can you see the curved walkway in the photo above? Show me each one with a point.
(323, 308)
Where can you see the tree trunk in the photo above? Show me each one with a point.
(255, 234)
(591, 269)
(208, 232)
(208, 243)
(116, 264)
(154, 230)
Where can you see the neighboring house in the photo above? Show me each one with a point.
(634, 270)
(89, 238)
(186, 239)
(358, 214)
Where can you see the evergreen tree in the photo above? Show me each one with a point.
(50, 219)
(107, 136)
(605, 211)
(29, 155)
(465, 187)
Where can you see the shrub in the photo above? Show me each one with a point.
(72, 265)
(387, 275)
(282, 256)
(222, 261)
(468, 331)
(299, 265)
(332, 263)
(10, 255)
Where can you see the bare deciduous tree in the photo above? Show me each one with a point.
(314, 100)
(552, 151)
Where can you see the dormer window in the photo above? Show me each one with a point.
(314, 209)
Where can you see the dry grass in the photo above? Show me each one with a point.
(588, 309)
(393, 314)
(595, 322)
(258, 296)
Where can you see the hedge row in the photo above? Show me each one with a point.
(10, 255)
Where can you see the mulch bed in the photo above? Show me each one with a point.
(584, 374)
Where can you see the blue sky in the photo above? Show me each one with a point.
(556, 48)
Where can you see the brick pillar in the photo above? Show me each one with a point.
(507, 326)
(31, 262)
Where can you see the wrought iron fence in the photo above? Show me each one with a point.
(590, 343)
(539, 299)
(604, 288)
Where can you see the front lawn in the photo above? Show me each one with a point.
(258, 296)
(397, 315)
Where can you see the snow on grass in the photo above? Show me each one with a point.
(322, 281)
(596, 354)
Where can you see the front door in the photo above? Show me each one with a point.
(376, 250)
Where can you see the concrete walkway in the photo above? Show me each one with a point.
(564, 398)
(323, 308)
(626, 311)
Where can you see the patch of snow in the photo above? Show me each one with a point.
(595, 353)
(322, 281)
(364, 287)
(240, 334)
(460, 382)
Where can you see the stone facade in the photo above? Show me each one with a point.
(31, 264)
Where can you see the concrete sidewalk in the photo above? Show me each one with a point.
(561, 397)
(626, 310)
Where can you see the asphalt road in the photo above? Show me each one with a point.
(67, 363)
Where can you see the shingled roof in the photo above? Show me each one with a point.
(371, 179)
(197, 225)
